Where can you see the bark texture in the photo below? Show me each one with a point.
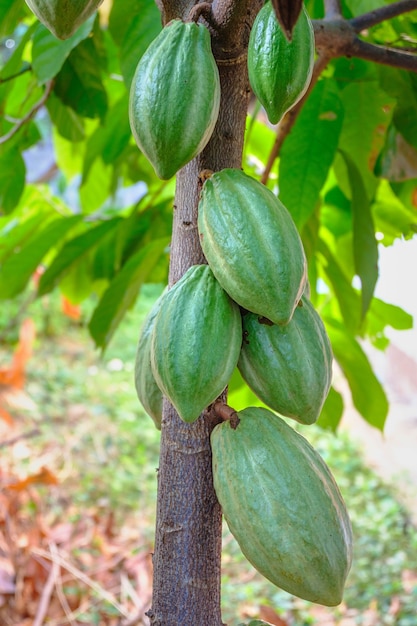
(188, 528)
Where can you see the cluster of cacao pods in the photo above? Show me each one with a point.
(247, 308)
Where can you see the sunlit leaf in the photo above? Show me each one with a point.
(122, 292)
(368, 395)
(309, 150)
(16, 272)
(332, 411)
(71, 252)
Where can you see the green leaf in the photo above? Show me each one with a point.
(12, 179)
(368, 112)
(392, 218)
(382, 314)
(365, 247)
(367, 392)
(123, 290)
(399, 85)
(309, 150)
(16, 272)
(135, 34)
(49, 53)
(10, 13)
(67, 123)
(110, 138)
(71, 252)
(332, 411)
(347, 298)
(79, 85)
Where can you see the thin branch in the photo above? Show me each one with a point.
(384, 56)
(387, 12)
(29, 115)
(332, 8)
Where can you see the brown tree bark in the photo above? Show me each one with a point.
(188, 528)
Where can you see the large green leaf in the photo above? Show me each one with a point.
(110, 138)
(368, 112)
(347, 297)
(332, 411)
(10, 13)
(79, 84)
(16, 272)
(382, 314)
(71, 252)
(365, 248)
(123, 290)
(135, 34)
(367, 392)
(309, 150)
(392, 218)
(66, 121)
(12, 179)
(49, 53)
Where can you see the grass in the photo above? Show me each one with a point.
(95, 437)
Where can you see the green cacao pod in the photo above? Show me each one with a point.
(283, 506)
(252, 245)
(175, 97)
(196, 342)
(280, 70)
(63, 17)
(288, 367)
(147, 389)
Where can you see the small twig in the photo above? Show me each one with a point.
(361, 22)
(10, 442)
(59, 591)
(198, 10)
(385, 56)
(29, 115)
(46, 595)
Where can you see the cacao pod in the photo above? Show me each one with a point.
(63, 17)
(288, 367)
(252, 244)
(196, 342)
(280, 70)
(287, 13)
(282, 505)
(175, 97)
(147, 389)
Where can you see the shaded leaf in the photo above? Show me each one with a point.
(309, 150)
(12, 179)
(122, 292)
(368, 395)
(79, 86)
(332, 411)
(66, 121)
(365, 248)
(15, 273)
(347, 298)
(71, 252)
(49, 53)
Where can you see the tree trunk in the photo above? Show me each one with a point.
(187, 555)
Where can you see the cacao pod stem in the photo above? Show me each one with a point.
(226, 413)
(287, 12)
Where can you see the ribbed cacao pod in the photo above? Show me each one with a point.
(196, 342)
(147, 389)
(283, 506)
(63, 17)
(175, 97)
(252, 245)
(288, 367)
(280, 70)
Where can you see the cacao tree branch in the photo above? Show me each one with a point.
(385, 56)
(332, 8)
(23, 70)
(361, 22)
(12, 132)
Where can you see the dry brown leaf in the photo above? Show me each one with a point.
(268, 614)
